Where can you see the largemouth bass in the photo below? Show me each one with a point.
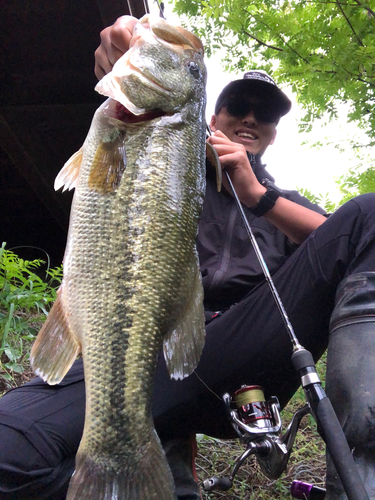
(131, 278)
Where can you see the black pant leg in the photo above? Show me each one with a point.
(40, 430)
(249, 343)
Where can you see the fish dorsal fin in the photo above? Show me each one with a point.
(108, 165)
(67, 177)
(183, 346)
(55, 348)
(212, 155)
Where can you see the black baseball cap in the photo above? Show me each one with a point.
(258, 89)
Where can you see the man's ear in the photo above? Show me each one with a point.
(213, 123)
(274, 136)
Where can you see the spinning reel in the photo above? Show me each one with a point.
(257, 423)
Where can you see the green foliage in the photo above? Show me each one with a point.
(353, 183)
(25, 299)
(356, 182)
(324, 49)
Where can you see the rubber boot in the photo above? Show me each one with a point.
(350, 380)
(181, 455)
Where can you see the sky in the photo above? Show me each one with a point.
(291, 163)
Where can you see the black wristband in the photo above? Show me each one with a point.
(268, 200)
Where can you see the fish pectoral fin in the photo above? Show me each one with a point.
(108, 165)
(183, 345)
(55, 348)
(212, 155)
(68, 175)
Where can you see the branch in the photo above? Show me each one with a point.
(262, 43)
(350, 24)
(356, 4)
(353, 75)
(371, 12)
(282, 39)
(333, 2)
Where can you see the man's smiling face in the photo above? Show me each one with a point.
(254, 134)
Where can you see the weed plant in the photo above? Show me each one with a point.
(25, 299)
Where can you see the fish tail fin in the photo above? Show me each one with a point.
(183, 345)
(55, 348)
(146, 477)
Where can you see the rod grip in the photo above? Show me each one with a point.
(339, 451)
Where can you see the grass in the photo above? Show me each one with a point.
(27, 292)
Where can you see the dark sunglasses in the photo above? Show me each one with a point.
(263, 111)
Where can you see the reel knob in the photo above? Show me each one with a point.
(217, 483)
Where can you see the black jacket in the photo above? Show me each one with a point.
(228, 263)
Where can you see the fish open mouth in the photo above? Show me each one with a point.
(110, 86)
(125, 115)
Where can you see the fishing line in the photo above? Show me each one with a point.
(160, 5)
(130, 8)
(204, 383)
(36, 248)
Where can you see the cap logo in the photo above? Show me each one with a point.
(256, 75)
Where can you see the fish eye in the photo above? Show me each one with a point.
(194, 69)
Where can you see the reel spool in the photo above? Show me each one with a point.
(252, 407)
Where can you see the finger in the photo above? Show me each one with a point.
(229, 160)
(224, 140)
(121, 33)
(231, 148)
(102, 63)
(214, 141)
(114, 42)
(219, 133)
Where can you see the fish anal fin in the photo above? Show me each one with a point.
(68, 175)
(212, 155)
(108, 165)
(183, 345)
(55, 348)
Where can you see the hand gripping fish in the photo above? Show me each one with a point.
(131, 279)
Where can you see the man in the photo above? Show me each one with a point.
(324, 270)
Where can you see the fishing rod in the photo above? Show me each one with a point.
(258, 423)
